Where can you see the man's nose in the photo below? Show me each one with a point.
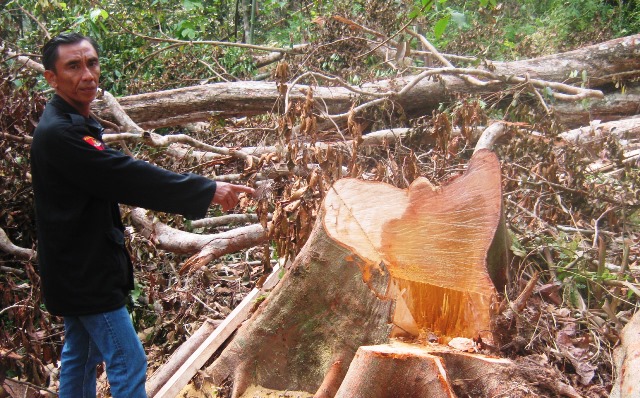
(87, 74)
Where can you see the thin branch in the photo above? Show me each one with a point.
(14, 306)
(148, 58)
(16, 271)
(357, 109)
(26, 61)
(490, 135)
(215, 43)
(390, 41)
(442, 59)
(574, 93)
(20, 252)
(333, 79)
(409, 22)
(157, 140)
(34, 386)
(24, 139)
(223, 220)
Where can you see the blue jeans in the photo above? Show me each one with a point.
(108, 337)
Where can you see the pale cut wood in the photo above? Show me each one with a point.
(433, 241)
(627, 361)
(186, 349)
(408, 372)
(188, 369)
(400, 369)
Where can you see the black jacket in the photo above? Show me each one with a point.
(78, 182)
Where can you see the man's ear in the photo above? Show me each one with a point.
(51, 78)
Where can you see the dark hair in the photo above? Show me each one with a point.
(50, 49)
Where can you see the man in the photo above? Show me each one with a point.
(78, 181)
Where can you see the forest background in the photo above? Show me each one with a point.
(575, 226)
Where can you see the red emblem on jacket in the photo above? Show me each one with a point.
(93, 142)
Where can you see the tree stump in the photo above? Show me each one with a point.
(398, 369)
(380, 262)
(408, 371)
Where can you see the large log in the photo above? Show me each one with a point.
(597, 132)
(600, 63)
(614, 106)
(380, 262)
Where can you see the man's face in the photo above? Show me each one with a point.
(76, 75)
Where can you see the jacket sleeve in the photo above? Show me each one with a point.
(91, 166)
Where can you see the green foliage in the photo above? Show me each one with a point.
(237, 62)
(526, 28)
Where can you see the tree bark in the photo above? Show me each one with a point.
(201, 103)
(601, 63)
(380, 262)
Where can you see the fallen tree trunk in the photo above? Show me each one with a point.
(380, 262)
(614, 106)
(601, 63)
(201, 103)
(598, 132)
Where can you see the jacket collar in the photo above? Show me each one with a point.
(64, 107)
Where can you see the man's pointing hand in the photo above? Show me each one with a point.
(227, 194)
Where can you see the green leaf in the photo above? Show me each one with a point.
(98, 13)
(516, 247)
(188, 32)
(441, 25)
(191, 5)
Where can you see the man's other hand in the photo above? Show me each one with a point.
(227, 194)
